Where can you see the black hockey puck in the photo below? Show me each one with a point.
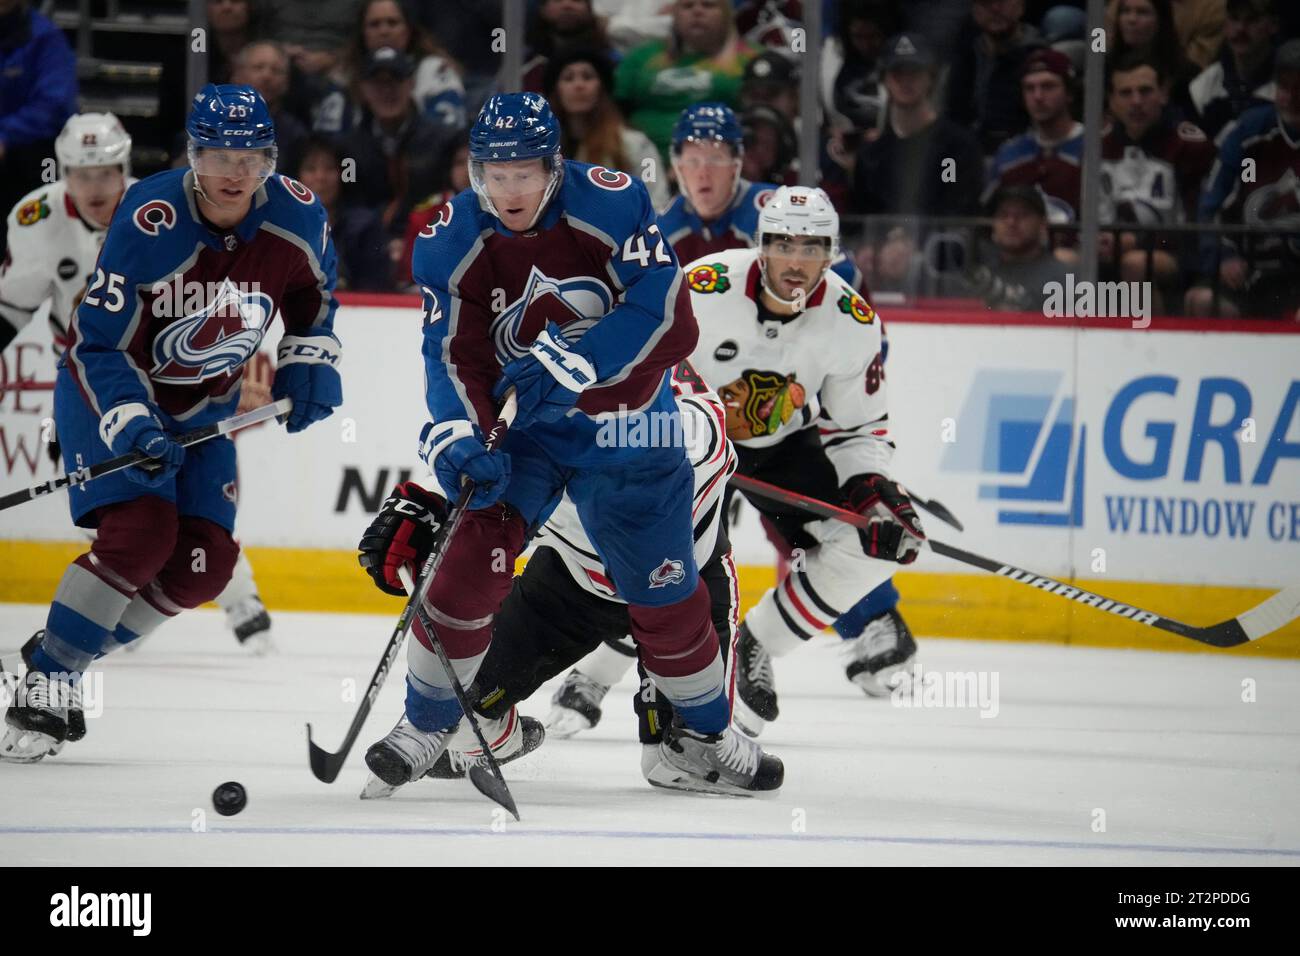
(229, 798)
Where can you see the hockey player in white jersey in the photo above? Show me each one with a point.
(564, 604)
(795, 354)
(55, 234)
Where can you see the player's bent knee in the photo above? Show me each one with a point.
(201, 563)
(676, 638)
(134, 539)
(476, 575)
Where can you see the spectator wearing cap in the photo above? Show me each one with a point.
(313, 32)
(1256, 274)
(232, 24)
(703, 59)
(38, 92)
(360, 241)
(1151, 172)
(984, 92)
(852, 87)
(395, 146)
(438, 91)
(1017, 269)
(771, 147)
(1146, 28)
(1196, 26)
(772, 80)
(1242, 77)
(921, 164)
(264, 65)
(556, 27)
(1050, 153)
(577, 84)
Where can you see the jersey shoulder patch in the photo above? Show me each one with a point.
(709, 277)
(608, 199)
(856, 307)
(33, 211)
(443, 244)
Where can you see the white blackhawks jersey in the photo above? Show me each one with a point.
(52, 253)
(819, 369)
(713, 459)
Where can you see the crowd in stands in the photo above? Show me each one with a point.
(928, 108)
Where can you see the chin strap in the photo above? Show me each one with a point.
(799, 302)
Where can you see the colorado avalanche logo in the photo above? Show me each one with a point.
(155, 216)
(1274, 205)
(574, 304)
(761, 198)
(298, 191)
(611, 179)
(442, 219)
(671, 571)
(214, 340)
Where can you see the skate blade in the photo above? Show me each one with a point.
(259, 644)
(22, 746)
(563, 723)
(376, 789)
(885, 681)
(668, 777)
(745, 720)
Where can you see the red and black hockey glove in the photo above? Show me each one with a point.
(895, 533)
(402, 533)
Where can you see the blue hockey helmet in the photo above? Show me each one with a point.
(515, 127)
(231, 116)
(708, 123)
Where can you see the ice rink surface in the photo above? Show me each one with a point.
(1093, 757)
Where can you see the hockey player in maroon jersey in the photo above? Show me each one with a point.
(551, 278)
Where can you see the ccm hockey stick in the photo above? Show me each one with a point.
(1277, 611)
(83, 475)
(326, 765)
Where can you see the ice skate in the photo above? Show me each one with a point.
(511, 737)
(883, 655)
(406, 754)
(755, 682)
(728, 762)
(76, 716)
(36, 723)
(575, 707)
(251, 625)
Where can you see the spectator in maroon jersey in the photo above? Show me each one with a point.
(1242, 77)
(452, 179)
(984, 82)
(1050, 154)
(1151, 172)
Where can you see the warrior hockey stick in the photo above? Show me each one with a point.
(1277, 611)
(326, 765)
(83, 475)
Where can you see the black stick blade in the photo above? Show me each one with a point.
(324, 765)
(494, 788)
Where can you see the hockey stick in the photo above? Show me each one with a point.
(83, 475)
(326, 765)
(1265, 618)
(936, 508)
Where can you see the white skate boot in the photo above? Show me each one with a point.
(510, 737)
(883, 655)
(406, 754)
(575, 706)
(728, 762)
(251, 625)
(36, 723)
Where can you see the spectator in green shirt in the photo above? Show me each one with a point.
(702, 59)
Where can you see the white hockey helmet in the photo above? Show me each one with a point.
(93, 139)
(798, 211)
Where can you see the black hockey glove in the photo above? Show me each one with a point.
(402, 533)
(895, 533)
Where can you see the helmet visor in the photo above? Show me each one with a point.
(256, 164)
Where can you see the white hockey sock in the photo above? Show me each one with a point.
(605, 665)
(241, 584)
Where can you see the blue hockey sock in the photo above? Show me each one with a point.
(852, 622)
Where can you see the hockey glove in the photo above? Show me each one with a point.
(401, 534)
(895, 533)
(307, 372)
(455, 451)
(135, 427)
(548, 380)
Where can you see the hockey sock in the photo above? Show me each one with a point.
(851, 623)
(606, 665)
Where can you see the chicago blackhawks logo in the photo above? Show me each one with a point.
(217, 338)
(671, 571)
(709, 278)
(853, 304)
(33, 212)
(760, 403)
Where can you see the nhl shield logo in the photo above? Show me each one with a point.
(671, 571)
